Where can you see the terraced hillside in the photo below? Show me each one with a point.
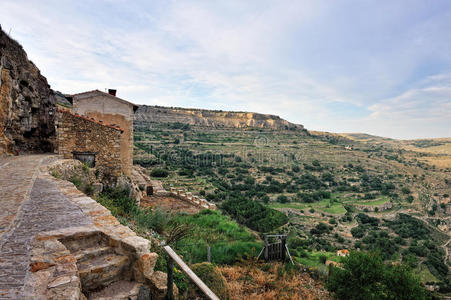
(334, 191)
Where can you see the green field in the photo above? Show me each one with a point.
(323, 205)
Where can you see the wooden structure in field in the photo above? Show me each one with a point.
(276, 251)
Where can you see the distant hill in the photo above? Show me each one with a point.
(211, 118)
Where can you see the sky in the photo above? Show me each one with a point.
(379, 67)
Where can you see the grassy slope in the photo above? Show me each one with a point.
(384, 158)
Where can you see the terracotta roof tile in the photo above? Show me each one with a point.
(113, 126)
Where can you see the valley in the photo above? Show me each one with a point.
(326, 191)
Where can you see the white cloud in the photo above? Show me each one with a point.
(323, 65)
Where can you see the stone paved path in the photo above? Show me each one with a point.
(28, 205)
(16, 179)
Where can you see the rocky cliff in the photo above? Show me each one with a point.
(146, 115)
(27, 104)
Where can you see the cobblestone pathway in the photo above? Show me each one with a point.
(16, 179)
(28, 205)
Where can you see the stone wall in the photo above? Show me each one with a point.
(381, 207)
(190, 198)
(97, 258)
(81, 134)
(27, 104)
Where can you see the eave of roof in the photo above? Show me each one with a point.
(135, 107)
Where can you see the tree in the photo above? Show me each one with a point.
(365, 276)
(159, 173)
(282, 199)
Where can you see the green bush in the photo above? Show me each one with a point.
(211, 276)
(358, 232)
(76, 180)
(159, 173)
(320, 229)
(365, 276)
(405, 190)
(121, 205)
(407, 226)
(282, 199)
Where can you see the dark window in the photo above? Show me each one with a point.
(88, 158)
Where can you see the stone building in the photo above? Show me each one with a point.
(108, 108)
(90, 141)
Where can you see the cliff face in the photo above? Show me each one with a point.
(210, 118)
(27, 104)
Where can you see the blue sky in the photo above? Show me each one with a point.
(379, 67)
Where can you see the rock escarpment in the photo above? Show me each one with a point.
(147, 115)
(27, 104)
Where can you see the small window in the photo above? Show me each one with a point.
(88, 158)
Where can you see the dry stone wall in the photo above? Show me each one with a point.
(189, 197)
(81, 134)
(27, 104)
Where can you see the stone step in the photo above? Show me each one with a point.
(83, 255)
(78, 242)
(119, 290)
(101, 271)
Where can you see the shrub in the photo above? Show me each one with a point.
(210, 275)
(320, 229)
(76, 180)
(365, 219)
(159, 173)
(407, 226)
(117, 200)
(365, 276)
(282, 199)
(358, 232)
(405, 190)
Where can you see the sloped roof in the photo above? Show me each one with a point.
(112, 126)
(97, 92)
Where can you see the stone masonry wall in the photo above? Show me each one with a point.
(81, 134)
